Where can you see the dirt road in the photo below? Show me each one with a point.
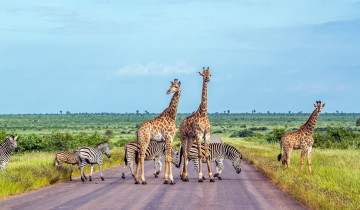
(247, 190)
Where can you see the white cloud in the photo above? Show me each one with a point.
(157, 69)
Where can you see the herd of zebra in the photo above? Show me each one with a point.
(155, 150)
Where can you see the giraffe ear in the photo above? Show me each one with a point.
(171, 83)
(323, 105)
(314, 105)
(179, 83)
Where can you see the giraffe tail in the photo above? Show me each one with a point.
(279, 156)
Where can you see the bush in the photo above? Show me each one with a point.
(358, 122)
(275, 135)
(337, 137)
(243, 133)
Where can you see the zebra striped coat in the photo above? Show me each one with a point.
(6, 148)
(218, 152)
(62, 157)
(154, 151)
(86, 154)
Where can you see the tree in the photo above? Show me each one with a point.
(228, 111)
(137, 111)
(60, 112)
(358, 122)
(253, 111)
(109, 133)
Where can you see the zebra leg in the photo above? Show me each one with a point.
(207, 155)
(81, 168)
(196, 166)
(155, 167)
(91, 170)
(123, 172)
(72, 169)
(2, 167)
(100, 170)
(221, 168)
(160, 165)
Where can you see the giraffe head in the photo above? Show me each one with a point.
(319, 106)
(13, 142)
(175, 86)
(206, 74)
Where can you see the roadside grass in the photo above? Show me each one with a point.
(32, 170)
(333, 184)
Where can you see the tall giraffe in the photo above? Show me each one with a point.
(161, 128)
(301, 139)
(194, 128)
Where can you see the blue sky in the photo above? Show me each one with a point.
(119, 56)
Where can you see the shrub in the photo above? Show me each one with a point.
(243, 133)
(358, 122)
(275, 135)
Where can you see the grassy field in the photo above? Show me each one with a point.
(333, 184)
(32, 170)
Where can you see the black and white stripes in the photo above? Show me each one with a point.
(62, 157)
(6, 148)
(86, 154)
(154, 151)
(218, 152)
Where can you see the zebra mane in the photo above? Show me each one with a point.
(102, 145)
(231, 151)
(6, 140)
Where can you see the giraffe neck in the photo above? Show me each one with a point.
(311, 122)
(172, 109)
(202, 110)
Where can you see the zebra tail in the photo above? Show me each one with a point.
(125, 154)
(181, 154)
(279, 156)
(56, 162)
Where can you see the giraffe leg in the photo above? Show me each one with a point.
(137, 171)
(309, 158)
(207, 156)
(200, 157)
(186, 149)
(303, 152)
(168, 161)
(288, 157)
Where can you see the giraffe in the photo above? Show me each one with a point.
(301, 139)
(161, 128)
(194, 128)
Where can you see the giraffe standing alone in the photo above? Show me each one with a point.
(194, 128)
(161, 128)
(301, 139)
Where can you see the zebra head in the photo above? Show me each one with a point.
(175, 156)
(13, 142)
(237, 164)
(104, 148)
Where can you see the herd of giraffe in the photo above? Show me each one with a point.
(197, 127)
(192, 130)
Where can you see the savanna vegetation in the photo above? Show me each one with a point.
(334, 183)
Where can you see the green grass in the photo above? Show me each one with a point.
(333, 184)
(32, 170)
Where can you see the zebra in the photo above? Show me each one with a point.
(62, 157)
(154, 151)
(91, 155)
(6, 148)
(218, 152)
